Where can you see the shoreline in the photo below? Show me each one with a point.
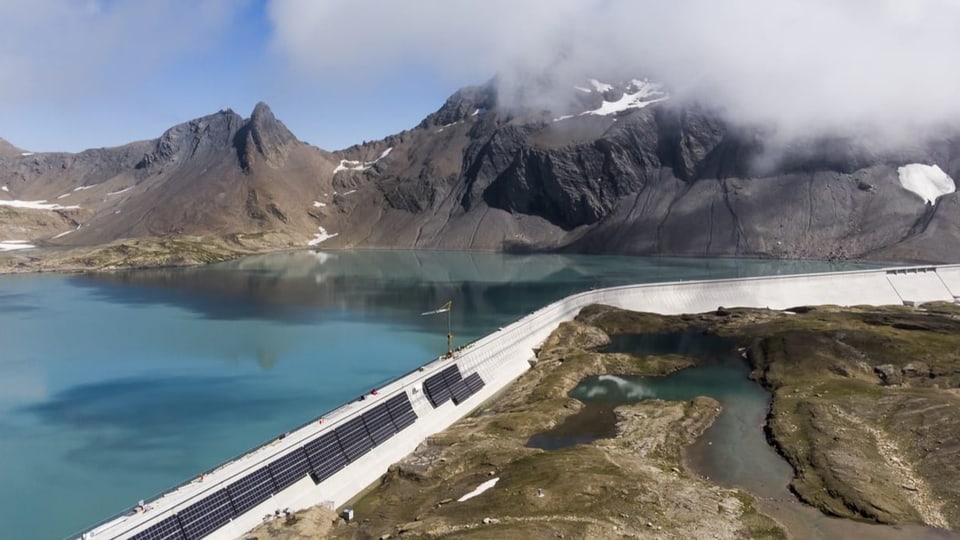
(184, 252)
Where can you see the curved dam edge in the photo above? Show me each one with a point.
(217, 505)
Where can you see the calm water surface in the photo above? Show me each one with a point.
(116, 387)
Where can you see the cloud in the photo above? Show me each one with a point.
(806, 66)
(66, 50)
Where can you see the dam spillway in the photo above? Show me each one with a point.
(331, 459)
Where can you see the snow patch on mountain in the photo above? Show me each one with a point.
(321, 236)
(352, 165)
(38, 205)
(11, 245)
(5, 188)
(639, 94)
(929, 182)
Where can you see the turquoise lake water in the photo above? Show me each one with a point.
(118, 386)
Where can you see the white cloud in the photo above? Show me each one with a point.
(807, 65)
(65, 50)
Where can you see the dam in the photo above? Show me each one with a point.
(332, 458)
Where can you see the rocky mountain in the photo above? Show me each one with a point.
(616, 168)
(8, 150)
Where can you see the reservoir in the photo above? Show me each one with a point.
(118, 386)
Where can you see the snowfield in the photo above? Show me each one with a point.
(480, 489)
(10, 245)
(639, 94)
(351, 165)
(929, 182)
(321, 236)
(38, 205)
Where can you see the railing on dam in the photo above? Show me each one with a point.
(332, 458)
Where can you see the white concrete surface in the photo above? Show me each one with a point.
(951, 279)
(918, 285)
(503, 356)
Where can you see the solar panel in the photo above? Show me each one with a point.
(290, 468)
(436, 389)
(326, 457)
(451, 375)
(166, 529)
(460, 391)
(474, 382)
(401, 411)
(354, 439)
(350, 431)
(206, 516)
(378, 424)
(251, 490)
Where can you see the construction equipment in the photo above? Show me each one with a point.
(446, 308)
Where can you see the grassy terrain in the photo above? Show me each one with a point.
(124, 254)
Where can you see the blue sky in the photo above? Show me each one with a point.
(76, 74)
(228, 62)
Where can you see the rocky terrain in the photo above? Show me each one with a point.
(620, 168)
(865, 403)
(633, 485)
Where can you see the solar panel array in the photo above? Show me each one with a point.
(354, 439)
(290, 468)
(252, 490)
(326, 457)
(449, 384)
(438, 387)
(321, 458)
(401, 412)
(474, 382)
(379, 425)
(206, 516)
(167, 529)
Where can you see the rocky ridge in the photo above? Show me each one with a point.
(618, 168)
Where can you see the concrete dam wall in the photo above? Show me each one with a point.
(333, 458)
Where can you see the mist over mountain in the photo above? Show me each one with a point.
(800, 68)
(615, 166)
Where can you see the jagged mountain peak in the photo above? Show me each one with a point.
(463, 104)
(200, 135)
(265, 135)
(260, 134)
